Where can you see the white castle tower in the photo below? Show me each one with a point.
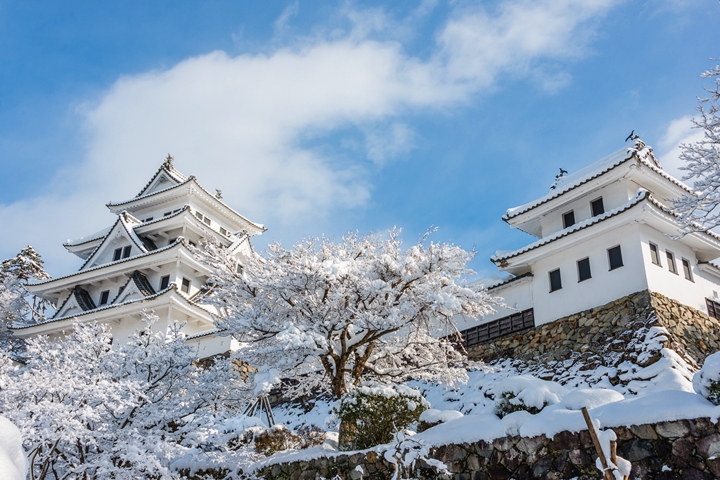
(143, 261)
(601, 233)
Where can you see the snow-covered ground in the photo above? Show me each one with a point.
(13, 463)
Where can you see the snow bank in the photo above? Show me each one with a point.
(13, 463)
(590, 398)
(439, 416)
(706, 382)
(531, 391)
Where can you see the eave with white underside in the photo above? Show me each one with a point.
(184, 221)
(178, 252)
(629, 166)
(169, 297)
(643, 209)
(188, 188)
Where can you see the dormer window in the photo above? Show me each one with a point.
(126, 251)
(104, 296)
(597, 207)
(568, 219)
(118, 254)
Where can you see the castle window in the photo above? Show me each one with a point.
(223, 231)
(185, 285)
(207, 221)
(164, 282)
(167, 214)
(126, 251)
(104, 296)
(671, 262)
(615, 257)
(686, 270)
(713, 308)
(597, 206)
(199, 215)
(584, 269)
(118, 254)
(148, 219)
(568, 219)
(655, 254)
(555, 280)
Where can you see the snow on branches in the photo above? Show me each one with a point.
(700, 212)
(328, 314)
(87, 410)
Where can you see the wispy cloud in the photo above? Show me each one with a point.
(679, 131)
(242, 123)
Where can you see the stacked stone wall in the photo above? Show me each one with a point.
(684, 449)
(603, 335)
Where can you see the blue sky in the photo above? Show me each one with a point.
(319, 118)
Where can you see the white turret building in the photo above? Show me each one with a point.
(602, 233)
(143, 261)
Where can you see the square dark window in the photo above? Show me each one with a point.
(239, 269)
(568, 219)
(555, 280)
(164, 282)
(207, 221)
(185, 285)
(655, 254)
(223, 231)
(126, 251)
(615, 257)
(597, 206)
(117, 255)
(199, 215)
(148, 219)
(167, 214)
(671, 262)
(713, 308)
(687, 270)
(583, 269)
(104, 296)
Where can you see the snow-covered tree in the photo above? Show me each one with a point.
(700, 212)
(87, 410)
(328, 314)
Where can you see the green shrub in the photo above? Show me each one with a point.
(508, 404)
(276, 439)
(373, 413)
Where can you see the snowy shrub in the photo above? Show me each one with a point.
(13, 462)
(706, 382)
(373, 413)
(311, 436)
(526, 393)
(432, 417)
(276, 439)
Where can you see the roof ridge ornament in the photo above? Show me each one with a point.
(168, 161)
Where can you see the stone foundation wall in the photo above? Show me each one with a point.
(685, 449)
(604, 334)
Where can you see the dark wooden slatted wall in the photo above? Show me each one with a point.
(498, 328)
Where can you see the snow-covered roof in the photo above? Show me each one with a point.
(639, 151)
(639, 197)
(166, 168)
(88, 238)
(128, 223)
(171, 288)
(191, 179)
(179, 241)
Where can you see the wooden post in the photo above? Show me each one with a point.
(607, 474)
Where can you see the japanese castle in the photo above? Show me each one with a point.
(601, 233)
(144, 262)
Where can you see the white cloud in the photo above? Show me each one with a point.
(679, 131)
(243, 123)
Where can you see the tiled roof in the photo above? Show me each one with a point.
(179, 240)
(171, 287)
(509, 281)
(639, 197)
(169, 170)
(640, 152)
(142, 283)
(81, 296)
(122, 219)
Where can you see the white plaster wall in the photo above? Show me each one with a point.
(676, 286)
(604, 286)
(613, 195)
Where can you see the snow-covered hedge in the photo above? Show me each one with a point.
(524, 392)
(432, 417)
(13, 463)
(372, 413)
(706, 382)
